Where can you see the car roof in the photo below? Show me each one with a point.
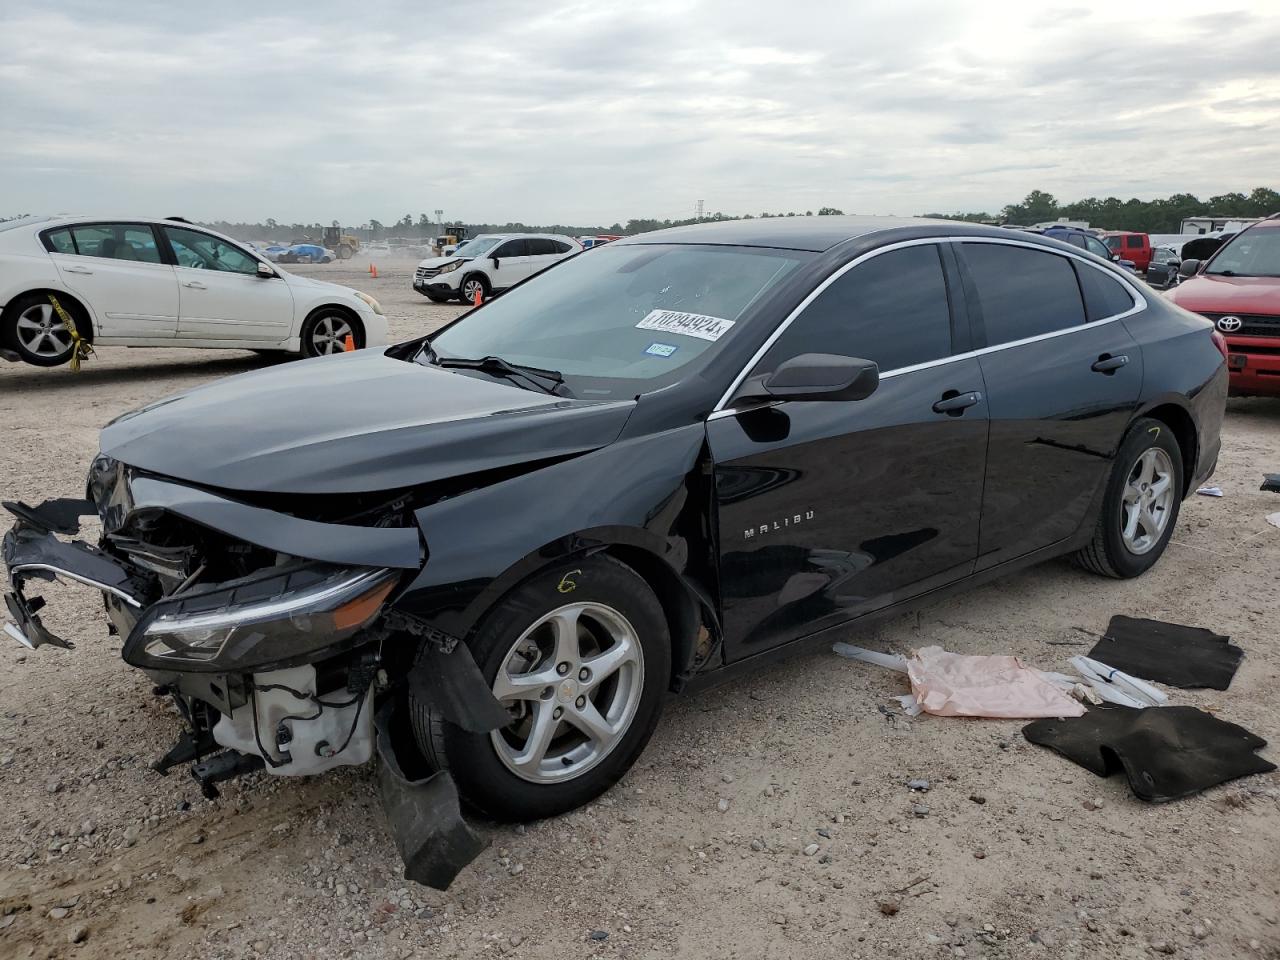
(515, 236)
(819, 234)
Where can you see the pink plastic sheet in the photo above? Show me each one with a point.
(955, 685)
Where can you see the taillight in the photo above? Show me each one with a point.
(1220, 342)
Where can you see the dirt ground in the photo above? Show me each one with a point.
(1007, 861)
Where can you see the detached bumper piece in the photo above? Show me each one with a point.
(32, 552)
(425, 818)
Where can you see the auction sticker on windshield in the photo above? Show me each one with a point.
(689, 324)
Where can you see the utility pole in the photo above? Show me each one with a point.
(698, 209)
(439, 222)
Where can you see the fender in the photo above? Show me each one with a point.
(482, 543)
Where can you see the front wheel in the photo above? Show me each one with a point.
(1140, 505)
(326, 332)
(471, 286)
(580, 657)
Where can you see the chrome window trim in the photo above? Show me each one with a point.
(722, 409)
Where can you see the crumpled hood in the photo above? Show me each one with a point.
(440, 261)
(1217, 294)
(353, 423)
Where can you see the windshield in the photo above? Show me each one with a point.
(1253, 253)
(627, 318)
(480, 246)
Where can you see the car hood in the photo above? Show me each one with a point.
(1214, 294)
(440, 261)
(310, 283)
(354, 423)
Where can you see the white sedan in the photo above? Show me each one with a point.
(139, 282)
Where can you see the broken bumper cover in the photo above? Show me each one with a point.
(220, 639)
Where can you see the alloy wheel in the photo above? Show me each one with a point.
(330, 335)
(572, 683)
(471, 288)
(1148, 501)
(42, 332)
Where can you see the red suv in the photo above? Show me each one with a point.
(1130, 246)
(1238, 288)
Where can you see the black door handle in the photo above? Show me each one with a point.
(955, 403)
(1109, 364)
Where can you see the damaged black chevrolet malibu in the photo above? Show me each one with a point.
(488, 554)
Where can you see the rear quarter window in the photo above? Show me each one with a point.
(1104, 296)
(59, 241)
(1022, 292)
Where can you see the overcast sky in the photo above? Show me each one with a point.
(591, 112)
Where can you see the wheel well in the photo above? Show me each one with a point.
(682, 610)
(488, 285)
(67, 300)
(1184, 431)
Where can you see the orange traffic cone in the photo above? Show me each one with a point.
(374, 271)
(348, 344)
(371, 270)
(479, 298)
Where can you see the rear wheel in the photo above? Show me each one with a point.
(37, 333)
(1140, 505)
(326, 332)
(580, 657)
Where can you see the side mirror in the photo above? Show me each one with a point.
(1189, 268)
(816, 376)
(265, 272)
(495, 263)
(1115, 257)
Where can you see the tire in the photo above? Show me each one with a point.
(466, 289)
(326, 330)
(1149, 443)
(617, 612)
(345, 252)
(436, 298)
(32, 329)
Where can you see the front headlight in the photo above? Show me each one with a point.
(450, 267)
(281, 619)
(372, 303)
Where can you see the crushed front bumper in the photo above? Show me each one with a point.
(222, 710)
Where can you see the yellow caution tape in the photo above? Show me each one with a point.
(81, 348)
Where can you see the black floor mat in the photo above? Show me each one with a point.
(1187, 657)
(1166, 752)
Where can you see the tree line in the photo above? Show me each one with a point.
(1112, 213)
(1142, 216)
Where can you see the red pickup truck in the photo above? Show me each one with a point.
(1238, 288)
(1130, 246)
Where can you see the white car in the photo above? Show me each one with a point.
(489, 264)
(139, 282)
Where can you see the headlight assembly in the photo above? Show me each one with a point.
(450, 267)
(281, 619)
(370, 301)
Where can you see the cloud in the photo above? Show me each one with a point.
(588, 112)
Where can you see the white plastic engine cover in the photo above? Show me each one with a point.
(313, 743)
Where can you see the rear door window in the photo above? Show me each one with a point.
(116, 241)
(1135, 242)
(1104, 296)
(1022, 292)
(540, 247)
(892, 309)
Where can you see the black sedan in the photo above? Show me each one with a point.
(488, 554)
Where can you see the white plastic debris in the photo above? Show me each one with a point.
(1209, 491)
(890, 661)
(1273, 519)
(1116, 686)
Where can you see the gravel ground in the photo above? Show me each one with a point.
(769, 817)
